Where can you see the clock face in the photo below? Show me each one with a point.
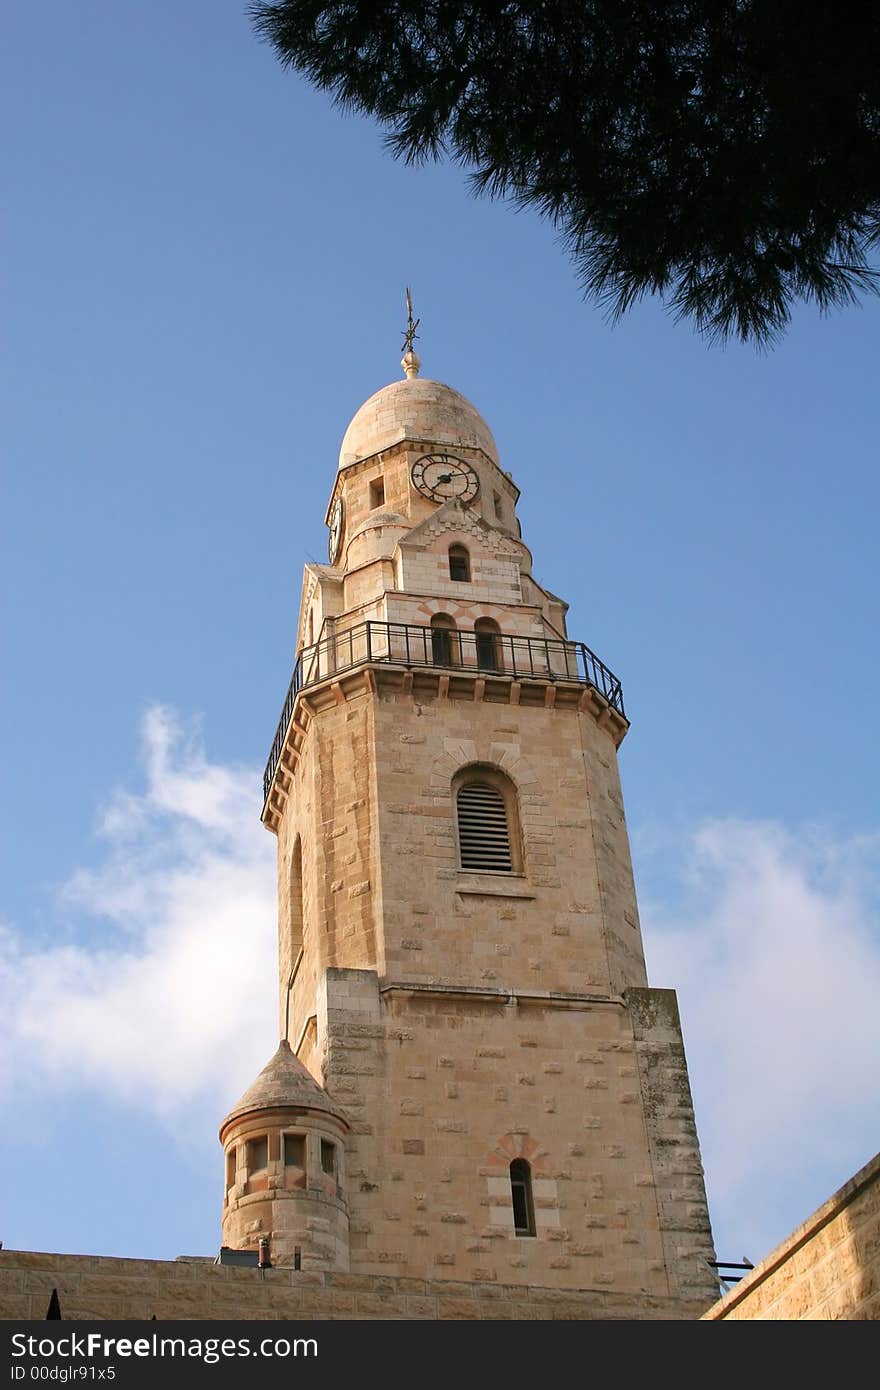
(443, 476)
(336, 517)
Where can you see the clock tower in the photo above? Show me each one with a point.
(475, 1081)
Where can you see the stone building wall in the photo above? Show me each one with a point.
(443, 1088)
(568, 920)
(92, 1288)
(829, 1268)
(463, 1020)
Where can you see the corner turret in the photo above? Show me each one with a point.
(284, 1147)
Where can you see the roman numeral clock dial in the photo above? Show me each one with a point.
(443, 476)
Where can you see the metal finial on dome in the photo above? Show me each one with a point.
(410, 362)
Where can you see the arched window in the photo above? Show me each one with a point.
(444, 640)
(485, 812)
(488, 640)
(459, 564)
(521, 1195)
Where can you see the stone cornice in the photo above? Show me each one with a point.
(553, 999)
(423, 684)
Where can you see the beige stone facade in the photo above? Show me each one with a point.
(469, 1021)
(829, 1268)
(91, 1288)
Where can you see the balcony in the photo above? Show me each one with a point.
(465, 653)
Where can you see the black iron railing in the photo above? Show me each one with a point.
(722, 1268)
(403, 644)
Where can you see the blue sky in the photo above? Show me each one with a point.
(205, 276)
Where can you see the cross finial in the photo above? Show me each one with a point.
(411, 361)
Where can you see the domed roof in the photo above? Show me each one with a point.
(415, 408)
(283, 1083)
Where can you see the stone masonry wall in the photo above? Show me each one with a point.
(569, 920)
(672, 1140)
(92, 1288)
(829, 1268)
(443, 1089)
(333, 813)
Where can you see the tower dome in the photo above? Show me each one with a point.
(419, 409)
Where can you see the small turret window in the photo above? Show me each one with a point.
(328, 1157)
(230, 1167)
(257, 1154)
(459, 564)
(294, 1151)
(377, 493)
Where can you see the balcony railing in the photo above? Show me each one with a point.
(477, 653)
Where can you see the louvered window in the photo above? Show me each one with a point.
(483, 831)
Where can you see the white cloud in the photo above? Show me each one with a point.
(771, 939)
(167, 995)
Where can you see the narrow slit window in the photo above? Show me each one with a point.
(377, 493)
(296, 902)
(459, 564)
(230, 1168)
(328, 1157)
(521, 1195)
(483, 830)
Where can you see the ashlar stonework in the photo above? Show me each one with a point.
(475, 1026)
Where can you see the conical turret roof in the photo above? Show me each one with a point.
(284, 1083)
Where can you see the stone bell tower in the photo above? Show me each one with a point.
(479, 1083)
